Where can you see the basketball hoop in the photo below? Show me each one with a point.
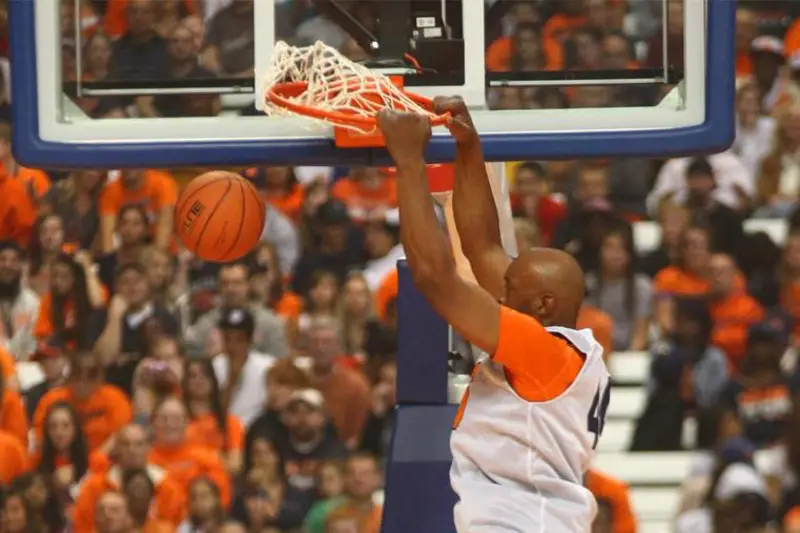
(320, 83)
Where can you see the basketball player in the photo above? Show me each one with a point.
(527, 427)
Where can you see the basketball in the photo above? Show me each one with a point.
(219, 216)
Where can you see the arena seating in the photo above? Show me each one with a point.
(647, 234)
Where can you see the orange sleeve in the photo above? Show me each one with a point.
(170, 501)
(387, 291)
(116, 20)
(539, 365)
(235, 433)
(791, 41)
(343, 191)
(44, 326)
(122, 412)
(15, 460)
(616, 494)
(498, 56)
(7, 364)
(110, 198)
(23, 211)
(167, 190)
(13, 417)
(40, 181)
(83, 510)
(663, 283)
(211, 466)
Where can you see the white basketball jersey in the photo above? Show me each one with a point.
(518, 466)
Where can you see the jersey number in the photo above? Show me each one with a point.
(597, 413)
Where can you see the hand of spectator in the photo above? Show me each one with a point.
(64, 476)
(118, 306)
(85, 260)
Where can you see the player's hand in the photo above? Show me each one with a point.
(460, 124)
(406, 135)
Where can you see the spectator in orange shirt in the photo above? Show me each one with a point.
(281, 189)
(15, 461)
(17, 211)
(182, 459)
(601, 324)
(746, 31)
(131, 452)
(12, 414)
(210, 426)
(36, 182)
(732, 309)
(140, 492)
(67, 310)
(367, 189)
(8, 370)
(612, 491)
(498, 55)
(686, 278)
(103, 409)
(154, 190)
(112, 514)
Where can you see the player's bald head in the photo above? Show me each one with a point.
(546, 283)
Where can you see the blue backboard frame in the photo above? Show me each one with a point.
(715, 134)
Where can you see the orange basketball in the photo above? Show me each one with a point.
(219, 216)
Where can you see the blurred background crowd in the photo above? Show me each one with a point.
(143, 390)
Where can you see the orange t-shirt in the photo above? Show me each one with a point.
(501, 51)
(288, 203)
(732, 318)
(601, 324)
(8, 365)
(17, 211)
(44, 324)
(35, 182)
(204, 431)
(13, 419)
(186, 462)
(674, 281)
(386, 293)
(169, 500)
(104, 412)
(359, 198)
(614, 492)
(15, 461)
(158, 191)
(791, 41)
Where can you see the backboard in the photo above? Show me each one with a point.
(452, 39)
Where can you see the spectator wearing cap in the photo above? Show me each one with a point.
(382, 245)
(734, 185)
(203, 337)
(768, 57)
(19, 305)
(759, 395)
(132, 452)
(732, 309)
(307, 441)
(130, 317)
(103, 408)
(336, 246)
(54, 365)
(346, 391)
(737, 501)
(779, 177)
(686, 374)
(241, 370)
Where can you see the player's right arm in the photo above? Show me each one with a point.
(474, 208)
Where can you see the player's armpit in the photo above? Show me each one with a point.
(539, 365)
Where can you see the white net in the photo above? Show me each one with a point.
(333, 84)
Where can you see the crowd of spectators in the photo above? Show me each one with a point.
(256, 396)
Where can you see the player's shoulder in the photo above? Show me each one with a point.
(581, 339)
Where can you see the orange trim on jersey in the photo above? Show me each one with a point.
(462, 406)
(539, 366)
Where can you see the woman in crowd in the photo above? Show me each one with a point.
(64, 455)
(363, 335)
(133, 231)
(620, 291)
(44, 502)
(46, 245)
(210, 426)
(17, 516)
(779, 180)
(269, 284)
(206, 511)
(74, 199)
(321, 301)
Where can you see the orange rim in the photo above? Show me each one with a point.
(281, 93)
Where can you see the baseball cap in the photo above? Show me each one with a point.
(333, 212)
(775, 327)
(739, 479)
(311, 397)
(48, 348)
(237, 318)
(736, 450)
(769, 44)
